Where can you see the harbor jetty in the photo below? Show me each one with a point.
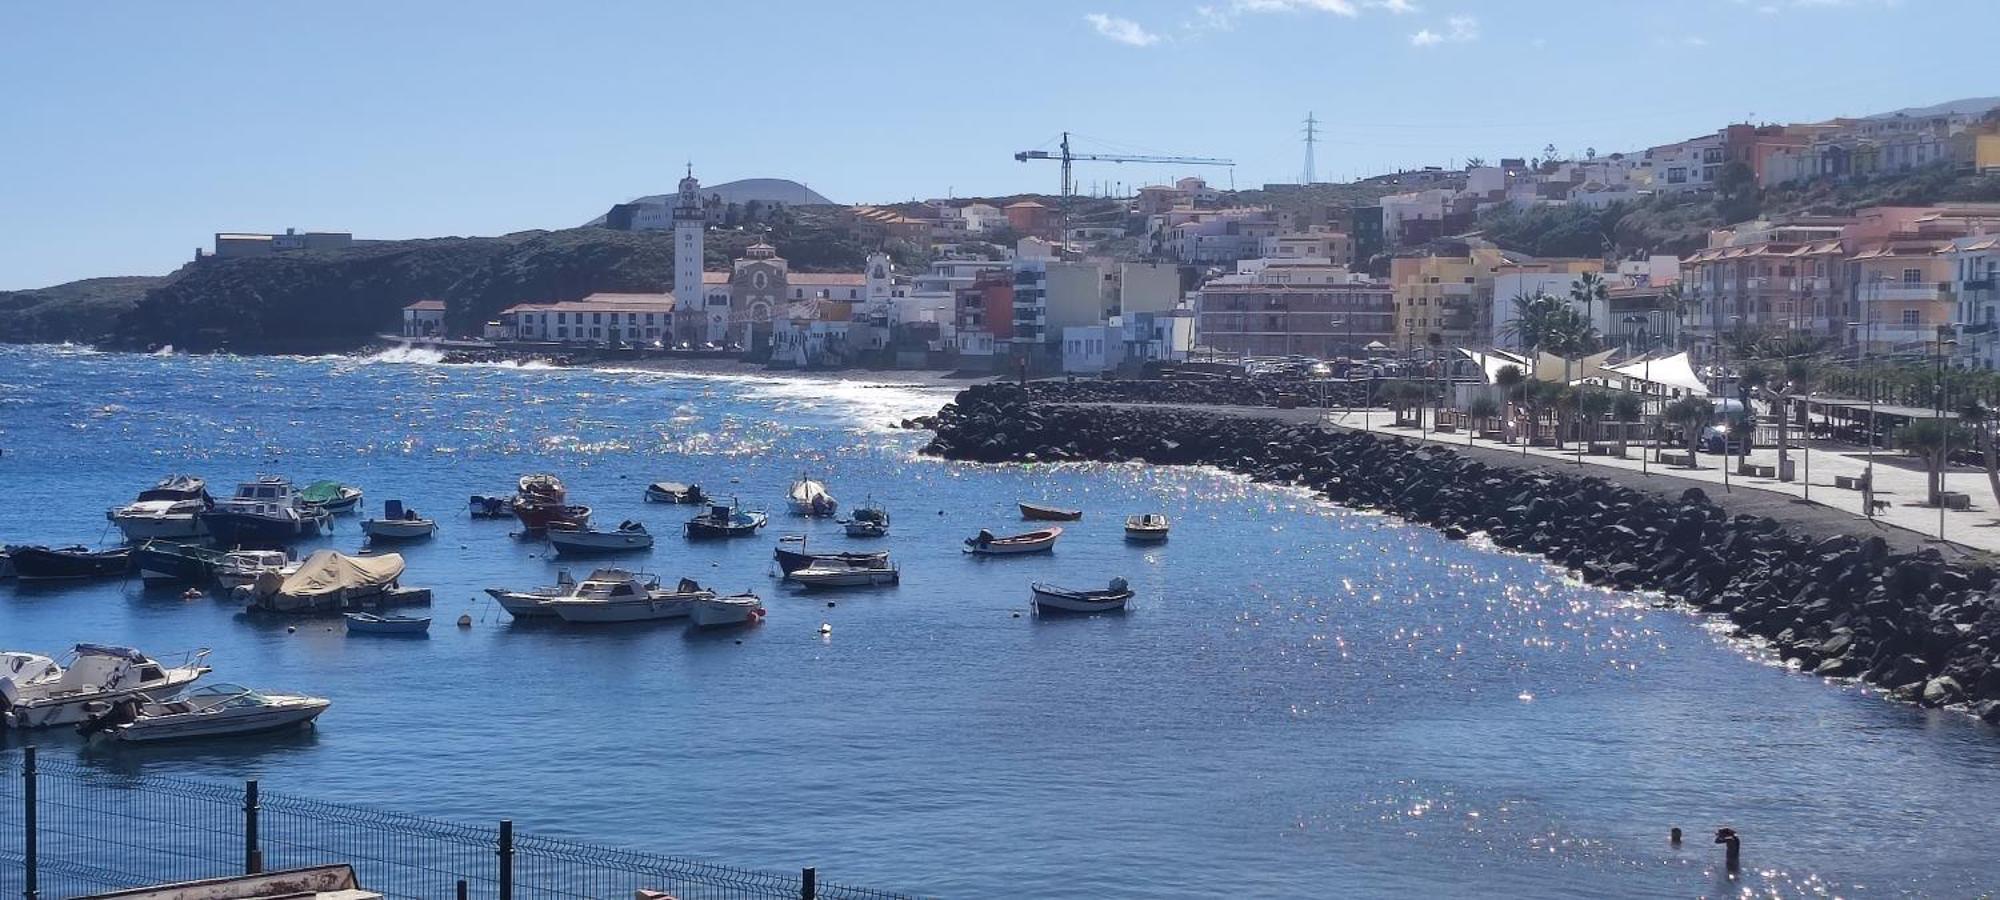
(1835, 604)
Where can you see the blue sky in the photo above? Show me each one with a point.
(130, 131)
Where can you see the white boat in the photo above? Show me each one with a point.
(38, 692)
(1049, 598)
(839, 573)
(713, 611)
(1146, 527)
(630, 600)
(211, 710)
(986, 544)
(869, 520)
(241, 567)
(398, 523)
(264, 514)
(810, 498)
(169, 510)
(629, 536)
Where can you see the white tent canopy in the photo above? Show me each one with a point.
(1672, 372)
(1548, 367)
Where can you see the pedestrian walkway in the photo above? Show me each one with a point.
(1901, 485)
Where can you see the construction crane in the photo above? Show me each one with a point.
(1068, 159)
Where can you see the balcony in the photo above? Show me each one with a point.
(1899, 292)
(1807, 285)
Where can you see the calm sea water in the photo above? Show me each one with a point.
(1302, 700)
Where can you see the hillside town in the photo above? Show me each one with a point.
(1181, 271)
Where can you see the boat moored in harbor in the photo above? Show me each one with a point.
(330, 581)
(790, 561)
(674, 492)
(1049, 598)
(809, 497)
(1041, 512)
(398, 523)
(1146, 527)
(170, 509)
(629, 599)
(630, 536)
(164, 561)
(725, 521)
(217, 709)
(370, 623)
(825, 573)
(541, 501)
(265, 514)
(38, 692)
(715, 612)
(869, 520)
(985, 543)
(332, 496)
(69, 563)
(240, 567)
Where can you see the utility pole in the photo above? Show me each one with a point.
(1312, 137)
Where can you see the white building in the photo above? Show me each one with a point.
(689, 224)
(1691, 165)
(1975, 281)
(424, 318)
(597, 319)
(1091, 349)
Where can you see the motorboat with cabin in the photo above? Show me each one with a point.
(1146, 527)
(215, 709)
(534, 604)
(985, 543)
(332, 496)
(1042, 512)
(631, 599)
(171, 561)
(170, 509)
(809, 497)
(629, 537)
(265, 514)
(1049, 598)
(725, 521)
(69, 563)
(484, 507)
(717, 612)
(398, 523)
(241, 567)
(674, 492)
(39, 692)
(869, 520)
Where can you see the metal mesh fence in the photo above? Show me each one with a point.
(94, 831)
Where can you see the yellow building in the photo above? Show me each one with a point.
(1986, 152)
(1449, 296)
(1904, 290)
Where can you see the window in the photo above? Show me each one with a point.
(1913, 276)
(596, 319)
(562, 331)
(1911, 318)
(562, 318)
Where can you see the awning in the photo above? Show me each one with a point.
(1674, 372)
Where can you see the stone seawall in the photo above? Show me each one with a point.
(1838, 606)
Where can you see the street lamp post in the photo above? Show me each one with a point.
(1867, 329)
(1944, 429)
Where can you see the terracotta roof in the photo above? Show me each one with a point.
(813, 278)
(609, 303)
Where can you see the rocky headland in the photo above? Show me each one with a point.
(1833, 604)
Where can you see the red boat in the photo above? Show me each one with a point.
(539, 516)
(540, 489)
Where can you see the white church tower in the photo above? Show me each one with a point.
(689, 223)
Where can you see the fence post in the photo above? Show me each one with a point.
(808, 883)
(506, 859)
(461, 889)
(253, 850)
(30, 890)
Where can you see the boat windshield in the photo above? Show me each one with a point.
(223, 693)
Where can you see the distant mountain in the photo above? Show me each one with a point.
(763, 190)
(1970, 106)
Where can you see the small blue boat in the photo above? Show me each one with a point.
(369, 623)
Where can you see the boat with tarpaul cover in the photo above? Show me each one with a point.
(809, 497)
(985, 543)
(332, 496)
(330, 580)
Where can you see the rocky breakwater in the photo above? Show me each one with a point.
(1836, 605)
(1206, 391)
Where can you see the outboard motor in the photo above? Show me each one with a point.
(124, 712)
(1118, 584)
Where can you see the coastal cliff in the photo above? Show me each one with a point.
(1836, 605)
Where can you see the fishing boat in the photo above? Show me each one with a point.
(630, 600)
(629, 536)
(986, 544)
(241, 567)
(329, 580)
(869, 520)
(1049, 598)
(540, 501)
(217, 709)
(790, 561)
(265, 514)
(398, 523)
(1040, 512)
(1146, 527)
(170, 509)
(716, 612)
(830, 573)
(674, 492)
(725, 521)
(163, 561)
(810, 498)
(69, 563)
(483, 507)
(39, 692)
(534, 604)
(332, 496)
(370, 623)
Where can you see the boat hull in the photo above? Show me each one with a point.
(665, 492)
(43, 564)
(810, 578)
(867, 529)
(387, 530)
(1065, 602)
(1145, 535)
(539, 516)
(523, 605)
(1039, 513)
(176, 562)
(720, 612)
(790, 561)
(595, 543)
(598, 612)
(376, 625)
(1017, 545)
(223, 723)
(71, 709)
(257, 532)
(169, 527)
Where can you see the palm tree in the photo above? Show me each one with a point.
(1593, 404)
(1547, 395)
(1530, 325)
(1402, 394)
(1983, 422)
(1589, 289)
(1436, 343)
(1483, 408)
(1931, 440)
(1509, 379)
(1626, 409)
(1691, 415)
